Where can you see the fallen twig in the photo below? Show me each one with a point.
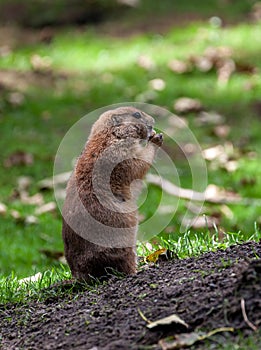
(243, 308)
(168, 187)
(143, 316)
(186, 193)
(174, 190)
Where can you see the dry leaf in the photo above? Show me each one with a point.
(230, 166)
(179, 66)
(3, 209)
(167, 321)
(36, 199)
(222, 131)
(63, 260)
(15, 98)
(31, 220)
(209, 118)
(213, 152)
(215, 54)
(187, 105)
(217, 194)
(213, 57)
(28, 220)
(187, 339)
(146, 62)
(50, 182)
(226, 149)
(252, 155)
(41, 64)
(226, 211)
(46, 208)
(29, 279)
(223, 156)
(157, 84)
(219, 58)
(155, 256)
(24, 182)
(19, 158)
(15, 215)
(179, 341)
(148, 245)
(204, 64)
(224, 71)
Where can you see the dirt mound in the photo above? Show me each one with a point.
(206, 292)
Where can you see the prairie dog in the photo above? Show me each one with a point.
(99, 213)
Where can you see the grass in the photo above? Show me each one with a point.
(188, 245)
(224, 343)
(13, 290)
(191, 243)
(90, 70)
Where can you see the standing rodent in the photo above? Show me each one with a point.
(99, 214)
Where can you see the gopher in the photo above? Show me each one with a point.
(100, 213)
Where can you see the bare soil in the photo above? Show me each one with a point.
(205, 291)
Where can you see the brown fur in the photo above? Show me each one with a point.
(121, 148)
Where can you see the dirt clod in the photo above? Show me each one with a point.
(205, 292)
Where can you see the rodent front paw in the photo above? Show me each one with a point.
(157, 139)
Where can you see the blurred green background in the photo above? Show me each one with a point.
(62, 60)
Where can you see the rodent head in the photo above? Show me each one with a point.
(125, 122)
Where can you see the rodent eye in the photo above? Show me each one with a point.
(137, 115)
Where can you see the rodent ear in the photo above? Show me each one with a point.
(116, 120)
